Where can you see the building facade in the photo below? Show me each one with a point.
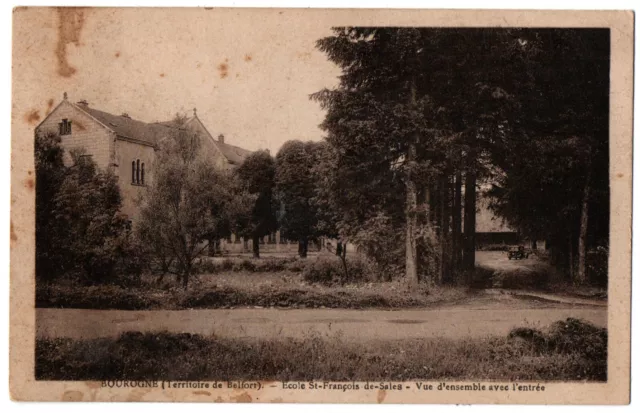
(126, 146)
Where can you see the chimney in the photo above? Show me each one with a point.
(125, 115)
(83, 102)
(221, 138)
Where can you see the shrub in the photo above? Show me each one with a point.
(382, 240)
(576, 336)
(296, 265)
(248, 265)
(244, 265)
(571, 337)
(597, 263)
(494, 247)
(331, 271)
(184, 356)
(79, 229)
(93, 297)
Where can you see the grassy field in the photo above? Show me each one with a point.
(567, 350)
(243, 288)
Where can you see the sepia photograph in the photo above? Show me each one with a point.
(227, 202)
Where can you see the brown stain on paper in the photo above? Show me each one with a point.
(117, 55)
(223, 68)
(72, 396)
(29, 184)
(32, 117)
(161, 74)
(248, 57)
(70, 23)
(382, 394)
(242, 398)
(620, 175)
(79, 125)
(49, 106)
(202, 393)
(14, 236)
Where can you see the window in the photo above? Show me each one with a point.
(137, 172)
(65, 127)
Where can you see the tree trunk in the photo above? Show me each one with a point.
(302, 247)
(211, 247)
(411, 256)
(343, 258)
(256, 246)
(581, 276)
(444, 230)
(469, 255)
(571, 259)
(457, 223)
(185, 277)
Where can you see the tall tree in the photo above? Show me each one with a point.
(79, 228)
(257, 175)
(555, 183)
(190, 203)
(50, 172)
(409, 103)
(295, 187)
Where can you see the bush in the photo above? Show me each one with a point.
(571, 337)
(494, 247)
(93, 297)
(249, 265)
(183, 356)
(382, 240)
(597, 263)
(331, 271)
(79, 229)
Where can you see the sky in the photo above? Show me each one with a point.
(249, 78)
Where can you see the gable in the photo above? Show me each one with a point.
(234, 155)
(66, 110)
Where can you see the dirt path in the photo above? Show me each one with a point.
(478, 318)
(499, 262)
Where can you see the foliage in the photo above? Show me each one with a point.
(562, 145)
(525, 108)
(50, 171)
(257, 173)
(80, 229)
(190, 204)
(402, 120)
(295, 186)
(382, 242)
(183, 356)
(330, 270)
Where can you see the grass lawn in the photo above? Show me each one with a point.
(567, 350)
(230, 289)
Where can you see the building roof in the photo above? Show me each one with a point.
(127, 127)
(151, 133)
(234, 154)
